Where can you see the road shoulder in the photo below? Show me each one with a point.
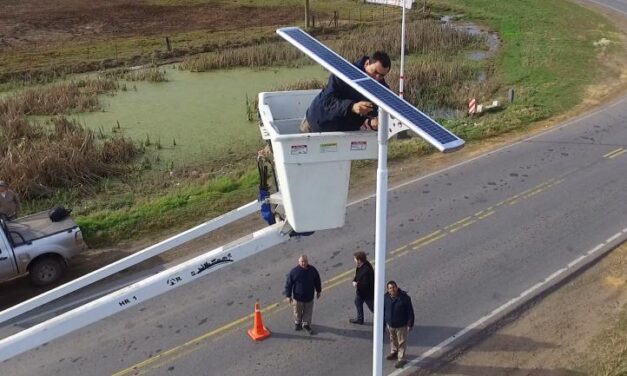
(576, 330)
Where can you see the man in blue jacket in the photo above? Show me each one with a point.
(300, 285)
(339, 107)
(398, 314)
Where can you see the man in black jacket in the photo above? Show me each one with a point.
(341, 108)
(300, 285)
(364, 286)
(398, 314)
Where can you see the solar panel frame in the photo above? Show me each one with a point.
(416, 120)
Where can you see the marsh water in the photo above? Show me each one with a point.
(193, 116)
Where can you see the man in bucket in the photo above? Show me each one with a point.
(341, 108)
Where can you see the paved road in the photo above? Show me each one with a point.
(462, 242)
(619, 6)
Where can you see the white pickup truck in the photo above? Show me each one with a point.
(38, 246)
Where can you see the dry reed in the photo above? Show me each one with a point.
(75, 96)
(422, 36)
(37, 159)
(153, 74)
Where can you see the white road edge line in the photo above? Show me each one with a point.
(596, 248)
(576, 261)
(496, 311)
(603, 5)
(614, 237)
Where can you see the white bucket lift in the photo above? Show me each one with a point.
(313, 169)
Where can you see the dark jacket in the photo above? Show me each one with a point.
(398, 312)
(331, 110)
(364, 276)
(301, 283)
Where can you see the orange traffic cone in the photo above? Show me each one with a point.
(258, 332)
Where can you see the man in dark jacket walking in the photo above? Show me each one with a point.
(398, 314)
(339, 107)
(364, 286)
(300, 285)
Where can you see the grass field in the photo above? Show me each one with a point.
(548, 55)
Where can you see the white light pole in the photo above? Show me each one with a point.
(401, 79)
(380, 249)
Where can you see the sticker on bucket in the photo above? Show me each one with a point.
(328, 148)
(359, 145)
(299, 149)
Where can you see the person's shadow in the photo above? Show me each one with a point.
(364, 331)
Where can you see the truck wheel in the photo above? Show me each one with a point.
(45, 271)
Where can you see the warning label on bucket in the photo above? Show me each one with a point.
(299, 149)
(328, 148)
(359, 145)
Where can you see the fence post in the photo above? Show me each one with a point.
(335, 18)
(307, 14)
(511, 94)
(168, 46)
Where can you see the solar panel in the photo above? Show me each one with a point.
(383, 97)
(403, 110)
(321, 53)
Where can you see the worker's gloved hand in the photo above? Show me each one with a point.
(362, 108)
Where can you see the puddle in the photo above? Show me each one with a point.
(491, 39)
(203, 113)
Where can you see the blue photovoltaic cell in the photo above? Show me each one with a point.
(319, 49)
(438, 135)
(429, 126)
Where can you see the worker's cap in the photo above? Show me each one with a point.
(3, 183)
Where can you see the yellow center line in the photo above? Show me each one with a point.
(463, 225)
(487, 214)
(193, 342)
(400, 249)
(341, 275)
(336, 283)
(430, 241)
(535, 192)
(461, 221)
(169, 356)
(617, 154)
(619, 150)
(424, 238)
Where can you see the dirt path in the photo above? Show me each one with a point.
(33, 23)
